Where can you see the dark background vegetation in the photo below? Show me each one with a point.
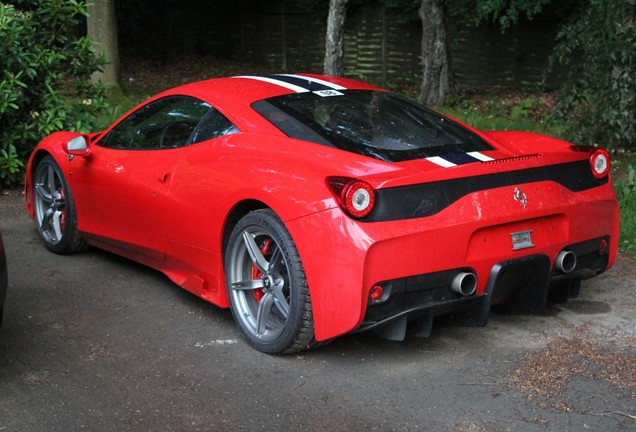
(381, 45)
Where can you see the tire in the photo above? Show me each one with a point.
(54, 209)
(267, 287)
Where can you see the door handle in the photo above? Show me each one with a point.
(164, 179)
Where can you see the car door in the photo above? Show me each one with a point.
(195, 214)
(129, 174)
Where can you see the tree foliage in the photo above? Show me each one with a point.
(45, 82)
(597, 50)
(503, 12)
(403, 10)
(596, 53)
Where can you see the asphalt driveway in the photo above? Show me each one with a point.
(98, 343)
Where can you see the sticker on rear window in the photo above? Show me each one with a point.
(327, 93)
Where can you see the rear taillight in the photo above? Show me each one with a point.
(600, 163)
(356, 197)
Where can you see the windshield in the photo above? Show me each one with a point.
(377, 124)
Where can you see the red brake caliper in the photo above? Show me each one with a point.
(63, 218)
(256, 273)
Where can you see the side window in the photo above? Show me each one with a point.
(213, 125)
(164, 123)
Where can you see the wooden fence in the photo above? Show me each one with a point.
(378, 47)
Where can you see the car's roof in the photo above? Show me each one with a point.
(233, 96)
(248, 89)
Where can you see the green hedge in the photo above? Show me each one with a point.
(45, 78)
(597, 50)
(626, 195)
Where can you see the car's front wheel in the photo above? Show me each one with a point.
(54, 209)
(267, 286)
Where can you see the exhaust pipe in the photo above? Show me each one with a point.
(565, 261)
(464, 283)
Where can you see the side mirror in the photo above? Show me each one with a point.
(78, 146)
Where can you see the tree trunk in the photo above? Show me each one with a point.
(102, 28)
(437, 79)
(334, 47)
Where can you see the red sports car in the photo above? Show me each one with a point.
(315, 206)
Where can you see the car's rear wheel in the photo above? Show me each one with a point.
(54, 209)
(267, 286)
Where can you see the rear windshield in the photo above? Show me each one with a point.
(377, 124)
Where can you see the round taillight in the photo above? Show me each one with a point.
(600, 163)
(356, 197)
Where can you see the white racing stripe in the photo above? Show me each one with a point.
(316, 80)
(440, 161)
(479, 156)
(289, 86)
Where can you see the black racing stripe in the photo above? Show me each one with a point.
(459, 158)
(306, 83)
(427, 199)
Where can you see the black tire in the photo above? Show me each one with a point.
(267, 287)
(54, 209)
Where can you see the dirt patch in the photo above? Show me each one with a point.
(515, 103)
(550, 369)
(12, 203)
(595, 345)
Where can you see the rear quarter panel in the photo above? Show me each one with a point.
(214, 177)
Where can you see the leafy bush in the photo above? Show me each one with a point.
(597, 50)
(626, 195)
(522, 110)
(45, 84)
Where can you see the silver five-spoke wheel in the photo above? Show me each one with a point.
(267, 286)
(54, 209)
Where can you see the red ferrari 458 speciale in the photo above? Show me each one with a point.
(316, 206)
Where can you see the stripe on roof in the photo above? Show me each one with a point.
(296, 83)
(440, 161)
(451, 160)
(460, 158)
(327, 84)
(480, 156)
(277, 82)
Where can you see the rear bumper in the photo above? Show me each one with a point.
(344, 258)
(524, 285)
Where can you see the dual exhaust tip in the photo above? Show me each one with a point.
(465, 283)
(565, 261)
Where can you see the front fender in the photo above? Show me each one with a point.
(51, 145)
